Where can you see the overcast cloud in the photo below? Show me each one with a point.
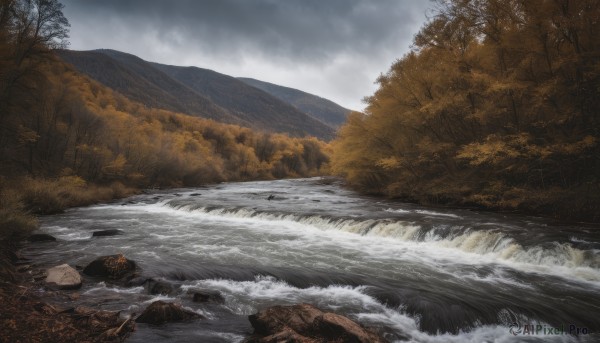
(332, 48)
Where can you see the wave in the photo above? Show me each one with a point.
(489, 242)
(247, 297)
(424, 212)
(492, 245)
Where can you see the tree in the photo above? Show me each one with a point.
(29, 29)
(497, 105)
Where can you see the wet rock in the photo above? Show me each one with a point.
(204, 296)
(109, 232)
(160, 312)
(112, 267)
(23, 268)
(63, 277)
(159, 287)
(305, 323)
(286, 335)
(138, 281)
(195, 194)
(41, 237)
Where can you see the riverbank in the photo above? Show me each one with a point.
(27, 315)
(562, 208)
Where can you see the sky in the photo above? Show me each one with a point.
(335, 49)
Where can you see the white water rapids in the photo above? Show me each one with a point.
(412, 273)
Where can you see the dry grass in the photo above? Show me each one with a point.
(15, 221)
(48, 196)
(21, 199)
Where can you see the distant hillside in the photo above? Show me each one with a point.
(139, 81)
(325, 110)
(243, 100)
(194, 91)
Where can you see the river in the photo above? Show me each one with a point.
(412, 273)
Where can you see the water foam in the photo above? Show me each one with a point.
(247, 297)
(488, 246)
(496, 246)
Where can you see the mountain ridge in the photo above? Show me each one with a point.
(229, 92)
(195, 91)
(323, 109)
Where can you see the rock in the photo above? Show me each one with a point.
(159, 287)
(208, 296)
(23, 268)
(112, 267)
(109, 232)
(335, 325)
(195, 194)
(41, 237)
(287, 335)
(64, 277)
(152, 286)
(138, 281)
(305, 323)
(160, 312)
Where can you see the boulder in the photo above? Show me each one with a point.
(109, 232)
(305, 323)
(137, 281)
(159, 287)
(112, 267)
(160, 312)
(208, 296)
(41, 237)
(63, 277)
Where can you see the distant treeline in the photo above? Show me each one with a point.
(58, 125)
(55, 121)
(496, 106)
(67, 124)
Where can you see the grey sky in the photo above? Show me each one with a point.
(332, 48)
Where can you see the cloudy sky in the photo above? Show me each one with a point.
(332, 48)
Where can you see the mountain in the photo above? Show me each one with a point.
(325, 110)
(195, 91)
(246, 101)
(139, 81)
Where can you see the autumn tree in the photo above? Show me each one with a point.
(497, 105)
(29, 30)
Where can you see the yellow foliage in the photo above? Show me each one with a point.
(493, 93)
(388, 163)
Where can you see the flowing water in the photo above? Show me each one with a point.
(411, 273)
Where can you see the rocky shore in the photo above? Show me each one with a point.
(31, 310)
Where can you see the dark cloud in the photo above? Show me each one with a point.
(335, 48)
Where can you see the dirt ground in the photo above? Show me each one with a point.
(28, 316)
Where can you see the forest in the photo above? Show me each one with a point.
(496, 106)
(66, 140)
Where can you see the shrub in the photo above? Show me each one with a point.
(15, 222)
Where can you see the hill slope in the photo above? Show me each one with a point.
(245, 101)
(139, 81)
(325, 110)
(194, 91)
